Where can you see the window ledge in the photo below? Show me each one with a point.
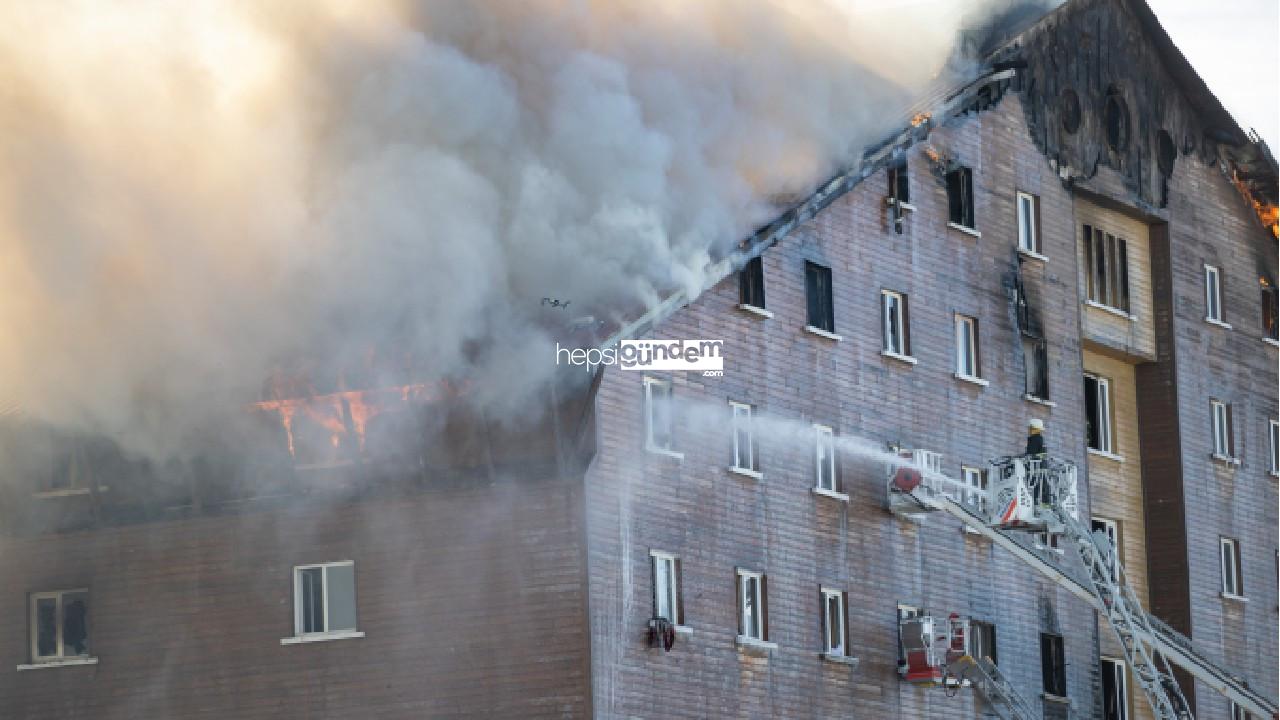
(906, 206)
(1108, 309)
(1271, 341)
(1050, 697)
(753, 474)
(684, 630)
(1032, 254)
(972, 379)
(754, 646)
(1226, 460)
(1105, 454)
(900, 358)
(68, 492)
(975, 533)
(841, 659)
(1232, 597)
(1039, 401)
(665, 452)
(755, 310)
(842, 497)
(822, 333)
(1219, 323)
(1274, 473)
(321, 637)
(966, 230)
(69, 662)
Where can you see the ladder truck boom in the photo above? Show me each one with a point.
(1038, 496)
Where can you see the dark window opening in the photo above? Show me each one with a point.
(751, 283)
(312, 589)
(960, 196)
(1053, 665)
(1270, 309)
(1166, 152)
(982, 640)
(1070, 111)
(1116, 119)
(817, 284)
(899, 187)
(1107, 268)
(1035, 353)
(1115, 691)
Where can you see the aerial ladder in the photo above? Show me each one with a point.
(1030, 495)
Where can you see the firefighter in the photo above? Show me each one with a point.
(1036, 453)
(1035, 440)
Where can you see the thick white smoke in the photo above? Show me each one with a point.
(193, 193)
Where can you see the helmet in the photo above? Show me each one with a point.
(1037, 424)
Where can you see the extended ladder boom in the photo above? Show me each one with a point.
(994, 687)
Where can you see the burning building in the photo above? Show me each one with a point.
(1077, 234)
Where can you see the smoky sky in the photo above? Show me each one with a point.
(193, 194)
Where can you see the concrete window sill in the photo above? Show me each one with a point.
(900, 358)
(1108, 455)
(758, 311)
(822, 333)
(1111, 310)
(752, 646)
(1032, 254)
(1227, 460)
(842, 497)
(1219, 323)
(665, 452)
(1050, 697)
(972, 379)
(753, 474)
(1271, 341)
(69, 662)
(68, 492)
(906, 206)
(852, 662)
(966, 230)
(1039, 401)
(1233, 598)
(684, 630)
(322, 637)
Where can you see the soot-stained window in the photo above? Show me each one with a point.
(1116, 121)
(1070, 110)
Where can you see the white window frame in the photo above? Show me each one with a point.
(1221, 413)
(975, 478)
(1106, 438)
(650, 408)
(967, 354)
(327, 633)
(1229, 557)
(829, 596)
(1028, 212)
(754, 631)
(1273, 446)
(1121, 670)
(1239, 713)
(1111, 529)
(824, 458)
(1213, 295)
(666, 591)
(59, 621)
(742, 423)
(888, 326)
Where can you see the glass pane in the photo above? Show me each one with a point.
(750, 612)
(75, 624)
(46, 627)
(311, 600)
(341, 586)
(834, 640)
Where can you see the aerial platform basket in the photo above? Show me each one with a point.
(1027, 493)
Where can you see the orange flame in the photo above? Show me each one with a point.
(920, 119)
(1268, 213)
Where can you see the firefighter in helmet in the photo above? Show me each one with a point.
(1035, 440)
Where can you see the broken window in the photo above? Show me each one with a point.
(1213, 294)
(1116, 120)
(894, 323)
(1070, 111)
(899, 187)
(1029, 222)
(751, 283)
(1115, 690)
(59, 625)
(1239, 713)
(960, 196)
(753, 612)
(1223, 442)
(1035, 355)
(1232, 581)
(835, 632)
(1097, 404)
(324, 598)
(665, 571)
(982, 640)
(825, 458)
(1111, 531)
(744, 450)
(1107, 263)
(1053, 665)
(657, 415)
(1270, 309)
(967, 347)
(817, 285)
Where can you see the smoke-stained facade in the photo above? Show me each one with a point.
(512, 566)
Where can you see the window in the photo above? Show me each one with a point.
(1112, 532)
(825, 458)
(1107, 263)
(1232, 581)
(1116, 118)
(1029, 222)
(895, 323)
(1213, 294)
(967, 347)
(835, 633)
(976, 482)
(1097, 405)
(817, 286)
(1273, 443)
(1115, 690)
(1270, 309)
(1053, 665)
(59, 625)
(664, 570)
(960, 197)
(751, 283)
(1223, 442)
(753, 612)
(899, 187)
(324, 599)
(744, 443)
(1239, 713)
(1035, 356)
(657, 416)
(982, 640)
